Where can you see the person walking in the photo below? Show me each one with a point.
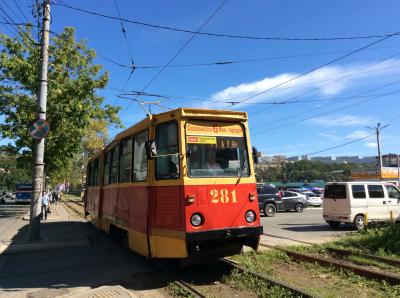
(45, 205)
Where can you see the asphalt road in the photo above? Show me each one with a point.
(9, 212)
(306, 227)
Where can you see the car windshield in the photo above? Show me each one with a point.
(216, 150)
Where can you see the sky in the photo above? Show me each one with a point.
(288, 114)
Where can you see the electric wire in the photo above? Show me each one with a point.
(316, 68)
(180, 50)
(338, 146)
(335, 80)
(352, 141)
(362, 94)
(328, 112)
(270, 38)
(132, 67)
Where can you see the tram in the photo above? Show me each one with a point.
(178, 184)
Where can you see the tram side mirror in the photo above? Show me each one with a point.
(151, 149)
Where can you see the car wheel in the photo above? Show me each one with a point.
(299, 207)
(333, 224)
(269, 210)
(359, 222)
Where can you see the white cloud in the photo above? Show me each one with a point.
(371, 145)
(319, 82)
(341, 120)
(329, 136)
(357, 134)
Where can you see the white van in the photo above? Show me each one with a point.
(353, 202)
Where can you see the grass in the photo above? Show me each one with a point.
(177, 291)
(381, 240)
(263, 289)
(320, 281)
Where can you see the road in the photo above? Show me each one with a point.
(9, 213)
(307, 226)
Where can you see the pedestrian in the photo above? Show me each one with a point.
(54, 196)
(45, 205)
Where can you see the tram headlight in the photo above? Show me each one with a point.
(250, 216)
(196, 220)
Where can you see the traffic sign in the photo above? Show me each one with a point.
(39, 129)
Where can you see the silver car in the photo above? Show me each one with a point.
(313, 199)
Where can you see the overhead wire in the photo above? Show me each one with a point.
(316, 68)
(330, 111)
(335, 80)
(352, 141)
(180, 50)
(270, 38)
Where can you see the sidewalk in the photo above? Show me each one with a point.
(73, 259)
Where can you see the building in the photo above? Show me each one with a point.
(324, 159)
(390, 170)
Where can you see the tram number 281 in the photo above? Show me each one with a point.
(223, 196)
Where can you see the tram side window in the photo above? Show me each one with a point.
(140, 157)
(167, 167)
(107, 166)
(125, 148)
(114, 165)
(94, 173)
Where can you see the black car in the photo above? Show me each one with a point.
(270, 201)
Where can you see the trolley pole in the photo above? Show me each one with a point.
(38, 146)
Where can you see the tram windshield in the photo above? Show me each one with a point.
(216, 150)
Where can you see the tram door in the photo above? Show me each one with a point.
(166, 193)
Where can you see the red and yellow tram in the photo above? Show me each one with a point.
(179, 184)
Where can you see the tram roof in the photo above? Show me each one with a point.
(186, 113)
(202, 114)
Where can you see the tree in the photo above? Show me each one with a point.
(10, 172)
(72, 105)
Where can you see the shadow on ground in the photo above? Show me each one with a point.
(97, 260)
(316, 228)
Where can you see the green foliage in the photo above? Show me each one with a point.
(383, 241)
(10, 171)
(306, 170)
(72, 103)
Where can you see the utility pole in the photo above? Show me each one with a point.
(378, 129)
(38, 146)
(398, 170)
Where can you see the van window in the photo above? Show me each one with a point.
(335, 191)
(376, 191)
(393, 192)
(358, 191)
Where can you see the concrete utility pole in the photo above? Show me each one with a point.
(378, 129)
(38, 147)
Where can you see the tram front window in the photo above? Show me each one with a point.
(222, 156)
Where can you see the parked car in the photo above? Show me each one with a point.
(270, 200)
(358, 202)
(294, 201)
(313, 199)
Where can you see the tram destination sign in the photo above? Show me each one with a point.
(39, 129)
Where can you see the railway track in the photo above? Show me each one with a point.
(74, 207)
(297, 292)
(345, 252)
(329, 261)
(174, 278)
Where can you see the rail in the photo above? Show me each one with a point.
(270, 280)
